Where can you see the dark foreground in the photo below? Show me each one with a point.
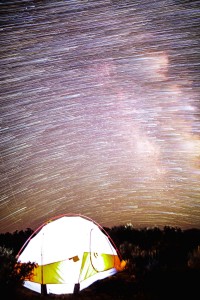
(165, 285)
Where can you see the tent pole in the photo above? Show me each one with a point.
(43, 286)
(76, 288)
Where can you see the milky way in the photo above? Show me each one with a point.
(100, 112)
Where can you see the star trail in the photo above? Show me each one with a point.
(99, 112)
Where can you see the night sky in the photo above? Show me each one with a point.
(100, 112)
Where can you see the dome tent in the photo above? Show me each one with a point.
(70, 252)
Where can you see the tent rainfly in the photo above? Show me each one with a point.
(71, 252)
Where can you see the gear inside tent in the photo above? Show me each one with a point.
(70, 252)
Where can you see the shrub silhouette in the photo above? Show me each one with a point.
(12, 273)
(194, 259)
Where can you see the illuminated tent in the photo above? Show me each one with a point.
(71, 252)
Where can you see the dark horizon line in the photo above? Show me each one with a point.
(161, 228)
